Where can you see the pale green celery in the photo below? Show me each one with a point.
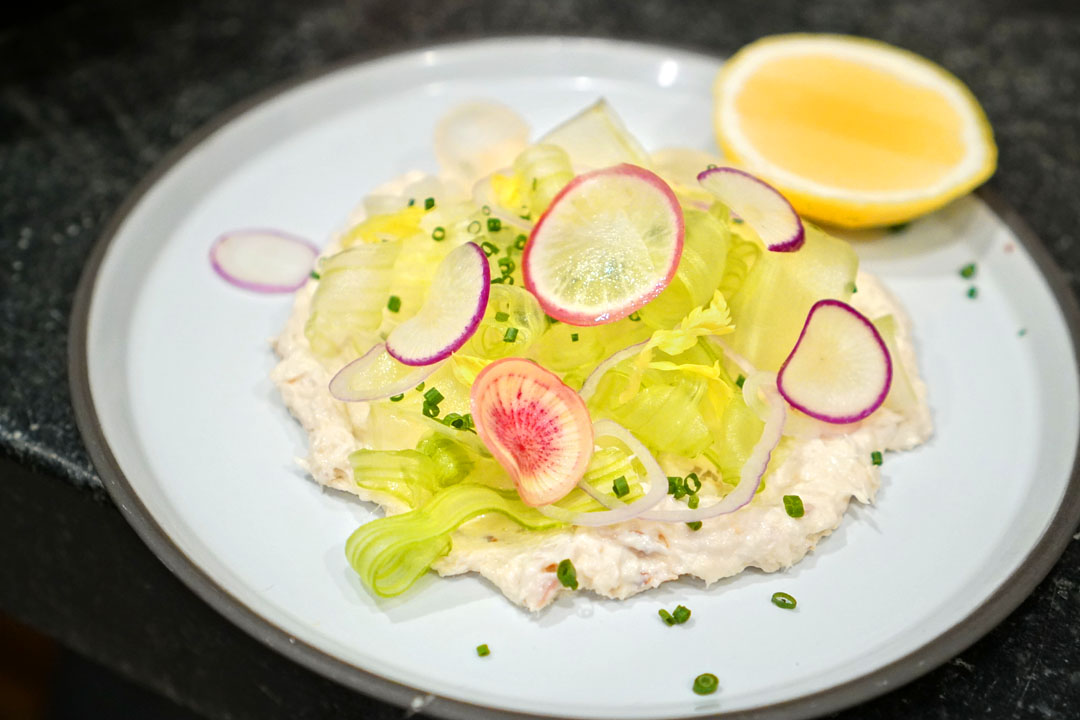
(348, 304)
(901, 397)
(597, 138)
(740, 429)
(408, 475)
(771, 305)
(700, 270)
(390, 554)
(451, 459)
(509, 306)
(541, 171)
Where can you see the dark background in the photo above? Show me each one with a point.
(93, 94)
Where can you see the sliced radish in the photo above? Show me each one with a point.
(620, 511)
(609, 242)
(266, 261)
(451, 313)
(839, 370)
(759, 204)
(376, 375)
(534, 425)
(476, 138)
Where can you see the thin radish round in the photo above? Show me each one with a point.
(376, 375)
(537, 427)
(654, 474)
(839, 370)
(609, 243)
(759, 204)
(475, 138)
(265, 261)
(451, 313)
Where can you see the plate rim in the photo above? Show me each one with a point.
(1035, 566)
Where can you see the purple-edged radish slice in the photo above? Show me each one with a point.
(609, 242)
(839, 370)
(759, 204)
(375, 375)
(535, 426)
(451, 313)
(266, 261)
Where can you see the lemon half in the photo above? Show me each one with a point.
(853, 131)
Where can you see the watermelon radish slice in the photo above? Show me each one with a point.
(451, 313)
(839, 370)
(759, 204)
(537, 427)
(375, 375)
(264, 261)
(609, 243)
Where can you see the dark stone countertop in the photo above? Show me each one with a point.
(92, 94)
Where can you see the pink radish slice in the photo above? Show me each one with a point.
(609, 243)
(265, 261)
(750, 476)
(839, 370)
(588, 389)
(535, 426)
(376, 375)
(759, 204)
(654, 474)
(451, 313)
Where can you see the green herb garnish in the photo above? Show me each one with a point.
(438, 234)
(793, 506)
(706, 684)
(567, 574)
(968, 271)
(501, 316)
(483, 650)
(783, 600)
(494, 224)
(695, 526)
(875, 457)
(739, 381)
(620, 487)
(510, 335)
(397, 398)
(394, 304)
(429, 203)
(489, 248)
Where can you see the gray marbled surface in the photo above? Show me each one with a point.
(92, 94)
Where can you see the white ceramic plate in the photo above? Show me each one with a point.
(170, 375)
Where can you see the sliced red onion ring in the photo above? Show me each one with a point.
(588, 388)
(265, 261)
(654, 474)
(376, 375)
(759, 204)
(750, 477)
(454, 307)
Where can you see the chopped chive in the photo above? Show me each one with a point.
(502, 317)
(494, 224)
(455, 421)
(506, 265)
(973, 292)
(467, 417)
(620, 487)
(551, 320)
(420, 387)
(431, 411)
(315, 275)
(783, 600)
(875, 457)
(706, 684)
(695, 526)
(498, 280)
(681, 614)
(508, 279)
(433, 396)
(968, 271)
(898, 228)
(1022, 332)
(412, 201)
(711, 166)
(520, 242)
(474, 227)
(534, 183)
(486, 210)
(634, 317)
(438, 234)
(673, 484)
(483, 650)
(510, 335)
(429, 203)
(489, 248)
(692, 477)
(666, 617)
(573, 337)
(567, 574)
(739, 381)
(793, 506)
(394, 303)
(397, 398)
(692, 502)
(526, 216)
(854, 288)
